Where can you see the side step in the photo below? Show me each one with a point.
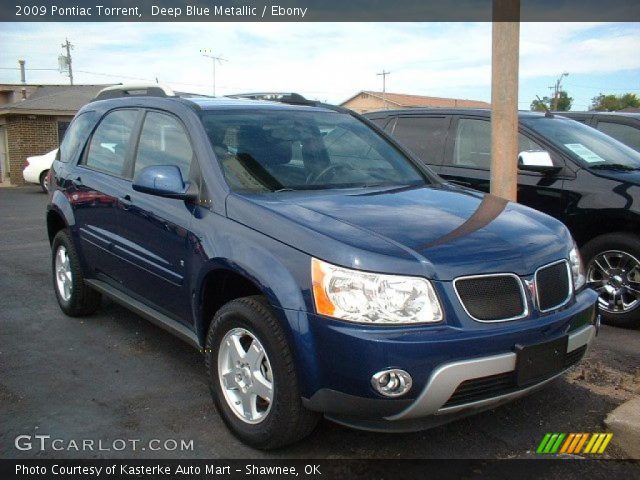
(155, 317)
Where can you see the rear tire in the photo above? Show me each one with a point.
(619, 255)
(74, 296)
(44, 181)
(268, 425)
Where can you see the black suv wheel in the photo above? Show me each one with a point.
(613, 270)
(74, 296)
(252, 377)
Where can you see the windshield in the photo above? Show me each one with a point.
(589, 147)
(276, 150)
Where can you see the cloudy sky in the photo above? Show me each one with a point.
(330, 61)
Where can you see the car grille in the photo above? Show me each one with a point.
(502, 384)
(492, 297)
(553, 286)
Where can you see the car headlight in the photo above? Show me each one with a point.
(577, 268)
(372, 297)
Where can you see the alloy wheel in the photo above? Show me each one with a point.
(245, 375)
(615, 275)
(64, 278)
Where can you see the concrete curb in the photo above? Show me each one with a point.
(624, 422)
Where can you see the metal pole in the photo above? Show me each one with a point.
(213, 60)
(23, 77)
(68, 46)
(504, 98)
(384, 87)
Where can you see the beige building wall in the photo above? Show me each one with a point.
(364, 103)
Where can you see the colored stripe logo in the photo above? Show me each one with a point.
(574, 443)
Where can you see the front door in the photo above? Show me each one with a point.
(469, 162)
(155, 229)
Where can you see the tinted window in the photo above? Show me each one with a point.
(624, 133)
(473, 144)
(163, 141)
(75, 135)
(272, 150)
(424, 136)
(380, 122)
(110, 142)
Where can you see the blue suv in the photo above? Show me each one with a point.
(320, 267)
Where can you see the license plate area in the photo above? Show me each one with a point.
(537, 362)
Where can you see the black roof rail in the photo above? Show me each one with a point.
(283, 97)
(135, 90)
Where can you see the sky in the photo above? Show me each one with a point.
(329, 61)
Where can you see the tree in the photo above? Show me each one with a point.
(564, 103)
(610, 103)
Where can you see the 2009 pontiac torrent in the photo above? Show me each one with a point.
(318, 265)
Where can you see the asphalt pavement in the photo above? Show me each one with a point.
(114, 376)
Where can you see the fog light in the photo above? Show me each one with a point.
(392, 383)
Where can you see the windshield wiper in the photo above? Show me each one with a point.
(615, 166)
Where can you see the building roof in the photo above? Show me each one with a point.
(404, 100)
(53, 100)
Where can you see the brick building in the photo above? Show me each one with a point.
(33, 119)
(367, 101)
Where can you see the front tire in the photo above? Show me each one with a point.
(74, 296)
(252, 376)
(613, 270)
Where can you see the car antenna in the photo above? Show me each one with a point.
(547, 112)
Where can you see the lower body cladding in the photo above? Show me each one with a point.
(453, 372)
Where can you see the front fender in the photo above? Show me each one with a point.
(281, 273)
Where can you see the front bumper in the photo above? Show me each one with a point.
(443, 362)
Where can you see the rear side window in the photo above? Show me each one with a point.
(110, 142)
(424, 136)
(163, 141)
(623, 133)
(75, 135)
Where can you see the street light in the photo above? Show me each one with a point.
(214, 59)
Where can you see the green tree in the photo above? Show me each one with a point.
(610, 103)
(540, 105)
(564, 103)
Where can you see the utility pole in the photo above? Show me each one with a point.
(556, 95)
(505, 40)
(68, 46)
(384, 87)
(214, 59)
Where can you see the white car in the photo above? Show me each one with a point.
(37, 169)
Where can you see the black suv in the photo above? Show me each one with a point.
(573, 172)
(623, 126)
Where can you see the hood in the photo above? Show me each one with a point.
(624, 176)
(445, 230)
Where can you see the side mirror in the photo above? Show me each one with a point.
(536, 161)
(163, 181)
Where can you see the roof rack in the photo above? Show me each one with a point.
(135, 90)
(283, 97)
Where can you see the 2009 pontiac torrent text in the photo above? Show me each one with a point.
(318, 265)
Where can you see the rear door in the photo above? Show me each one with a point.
(424, 135)
(155, 229)
(95, 187)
